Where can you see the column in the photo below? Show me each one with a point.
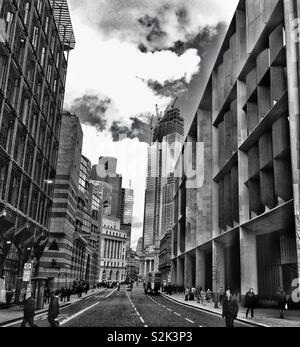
(188, 269)
(218, 266)
(180, 271)
(249, 277)
(200, 268)
(292, 43)
(174, 271)
(145, 267)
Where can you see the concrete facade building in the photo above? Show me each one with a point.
(105, 171)
(237, 218)
(34, 52)
(113, 251)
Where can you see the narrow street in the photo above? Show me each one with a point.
(131, 309)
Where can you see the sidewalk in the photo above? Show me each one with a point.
(263, 317)
(15, 313)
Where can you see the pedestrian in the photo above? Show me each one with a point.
(187, 291)
(221, 295)
(119, 286)
(250, 302)
(281, 301)
(29, 313)
(69, 292)
(53, 310)
(198, 294)
(208, 295)
(203, 297)
(230, 309)
(87, 288)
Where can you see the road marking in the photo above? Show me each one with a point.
(200, 326)
(169, 309)
(141, 318)
(189, 320)
(111, 293)
(215, 314)
(79, 313)
(177, 314)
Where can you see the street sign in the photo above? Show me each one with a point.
(27, 272)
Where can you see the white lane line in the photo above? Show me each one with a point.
(20, 320)
(215, 314)
(79, 313)
(111, 293)
(177, 314)
(136, 311)
(200, 326)
(189, 320)
(169, 309)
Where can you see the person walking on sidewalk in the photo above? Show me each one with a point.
(29, 313)
(203, 297)
(281, 301)
(230, 309)
(53, 310)
(250, 302)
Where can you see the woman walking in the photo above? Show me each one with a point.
(250, 302)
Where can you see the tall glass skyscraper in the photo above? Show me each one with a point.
(158, 214)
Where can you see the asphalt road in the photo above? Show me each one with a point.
(132, 309)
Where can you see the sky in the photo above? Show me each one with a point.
(130, 56)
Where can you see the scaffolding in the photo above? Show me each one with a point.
(64, 24)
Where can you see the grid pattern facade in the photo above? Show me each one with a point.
(250, 181)
(33, 66)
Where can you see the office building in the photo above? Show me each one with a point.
(113, 251)
(34, 49)
(237, 219)
(167, 138)
(105, 171)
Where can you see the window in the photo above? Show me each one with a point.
(26, 16)
(54, 246)
(43, 56)
(35, 36)
(47, 25)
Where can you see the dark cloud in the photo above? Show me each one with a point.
(182, 15)
(153, 28)
(169, 88)
(198, 41)
(91, 110)
(139, 128)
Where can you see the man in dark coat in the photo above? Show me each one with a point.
(281, 301)
(29, 304)
(53, 311)
(250, 302)
(230, 309)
